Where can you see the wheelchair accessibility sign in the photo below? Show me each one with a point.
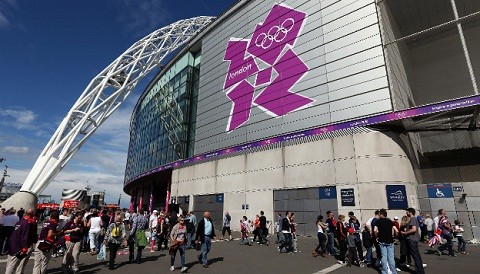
(440, 191)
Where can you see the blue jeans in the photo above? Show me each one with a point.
(189, 240)
(205, 249)
(369, 255)
(330, 244)
(461, 244)
(181, 249)
(388, 258)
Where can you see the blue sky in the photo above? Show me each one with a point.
(49, 52)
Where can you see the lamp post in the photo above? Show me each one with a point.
(4, 175)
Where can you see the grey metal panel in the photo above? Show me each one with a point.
(329, 204)
(295, 205)
(313, 193)
(280, 195)
(460, 204)
(425, 205)
(299, 217)
(310, 230)
(473, 203)
(311, 205)
(476, 217)
(446, 203)
(302, 193)
(292, 195)
(362, 110)
(452, 215)
(422, 191)
(301, 229)
(280, 206)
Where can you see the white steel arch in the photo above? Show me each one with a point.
(104, 95)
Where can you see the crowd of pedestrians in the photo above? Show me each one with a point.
(342, 237)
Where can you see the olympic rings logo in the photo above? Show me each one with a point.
(274, 34)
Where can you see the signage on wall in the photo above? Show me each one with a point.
(219, 198)
(245, 206)
(396, 197)
(348, 196)
(277, 32)
(71, 204)
(457, 188)
(440, 191)
(327, 192)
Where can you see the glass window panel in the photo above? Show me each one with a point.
(429, 76)
(467, 7)
(471, 31)
(406, 17)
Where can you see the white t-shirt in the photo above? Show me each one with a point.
(95, 223)
(459, 230)
(319, 228)
(429, 223)
(153, 221)
(435, 221)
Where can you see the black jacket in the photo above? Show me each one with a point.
(200, 235)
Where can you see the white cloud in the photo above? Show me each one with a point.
(22, 118)
(16, 150)
(3, 20)
(7, 7)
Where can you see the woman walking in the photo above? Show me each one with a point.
(322, 239)
(114, 237)
(405, 258)
(177, 240)
(140, 224)
(95, 224)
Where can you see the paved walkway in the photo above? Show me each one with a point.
(230, 257)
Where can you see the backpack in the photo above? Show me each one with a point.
(116, 231)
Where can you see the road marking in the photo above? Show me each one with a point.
(329, 269)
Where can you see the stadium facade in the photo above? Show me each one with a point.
(310, 106)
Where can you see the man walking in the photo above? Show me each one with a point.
(331, 225)
(205, 234)
(263, 229)
(20, 244)
(287, 234)
(226, 226)
(385, 232)
(413, 236)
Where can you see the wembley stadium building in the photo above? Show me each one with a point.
(309, 106)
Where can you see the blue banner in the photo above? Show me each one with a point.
(329, 192)
(219, 198)
(397, 197)
(347, 196)
(440, 191)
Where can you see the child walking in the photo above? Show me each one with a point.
(461, 241)
(352, 248)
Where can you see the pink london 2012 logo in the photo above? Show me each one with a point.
(272, 44)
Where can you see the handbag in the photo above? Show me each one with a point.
(173, 248)
(44, 245)
(102, 254)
